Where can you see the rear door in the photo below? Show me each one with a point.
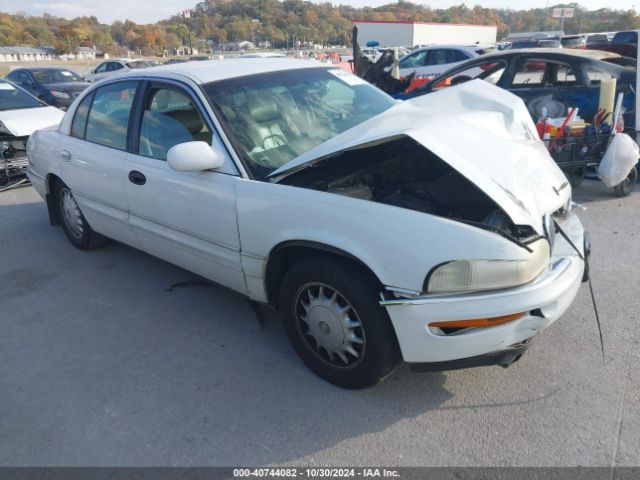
(93, 158)
(187, 218)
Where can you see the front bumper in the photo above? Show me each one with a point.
(544, 301)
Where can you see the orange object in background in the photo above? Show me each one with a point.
(420, 81)
(479, 322)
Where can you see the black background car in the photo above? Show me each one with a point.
(551, 80)
(56, 86)
(568, 77)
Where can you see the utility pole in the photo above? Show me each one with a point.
(187, 15)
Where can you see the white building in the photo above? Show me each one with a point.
(399, 33)
(88, 53)
(26, 54)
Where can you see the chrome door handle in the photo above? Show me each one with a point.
(65, 155)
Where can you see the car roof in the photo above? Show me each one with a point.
(213, 70)
(592, 54)
(474, 46)
(38, 69)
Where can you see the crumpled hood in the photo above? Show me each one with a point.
(482, 131)
(25, 121)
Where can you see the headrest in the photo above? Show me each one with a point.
(228, 112)
(263, 110)
(189, 118)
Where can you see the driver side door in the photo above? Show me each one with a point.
(186, 218)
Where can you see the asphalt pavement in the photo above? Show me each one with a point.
(103, 362)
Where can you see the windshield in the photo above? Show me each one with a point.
(140, 64)
(55, 76)
(13, 98)
(271, 118)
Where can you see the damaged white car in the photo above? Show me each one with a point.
(20, 114)
(437, 231)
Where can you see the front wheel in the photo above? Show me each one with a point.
(334, 322)
(625, 187)
(74, 224)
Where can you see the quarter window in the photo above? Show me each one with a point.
(170, 118)
(80, 118)
(109, 115)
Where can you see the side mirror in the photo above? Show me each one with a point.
(194, 157)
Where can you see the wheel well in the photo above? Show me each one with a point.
(285, 255)
(51, 204)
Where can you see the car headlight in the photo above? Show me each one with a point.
(476, 275)
(59, 94)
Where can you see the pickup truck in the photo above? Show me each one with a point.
(623, 43)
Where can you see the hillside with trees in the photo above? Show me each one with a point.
(281, 23)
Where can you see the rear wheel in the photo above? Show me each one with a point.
(625, 187)
(335, 324)
(74, 224)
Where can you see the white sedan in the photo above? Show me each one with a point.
(434, 60)
(115, 66)
(421, 231)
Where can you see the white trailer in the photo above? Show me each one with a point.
(403, 33)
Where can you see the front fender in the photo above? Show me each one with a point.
(400, 246)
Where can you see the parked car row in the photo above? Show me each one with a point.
(57, 87)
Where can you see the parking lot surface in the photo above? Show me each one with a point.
(103, 363)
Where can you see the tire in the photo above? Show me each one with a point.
(625, 187)
(329, 293)
(75, 226)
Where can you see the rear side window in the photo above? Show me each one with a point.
(108, 118)
(80, 118)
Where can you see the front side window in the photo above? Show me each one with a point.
(271, 118)
(103, 67)
(108, 119)
(415, 60)
(170, 117)
(24, 79)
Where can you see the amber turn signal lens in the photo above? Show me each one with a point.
(478, 322)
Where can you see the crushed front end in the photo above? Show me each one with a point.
(13, 159)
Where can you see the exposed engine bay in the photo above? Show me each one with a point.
(403, 173)
(13, 160)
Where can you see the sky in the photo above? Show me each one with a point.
(148, 11)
